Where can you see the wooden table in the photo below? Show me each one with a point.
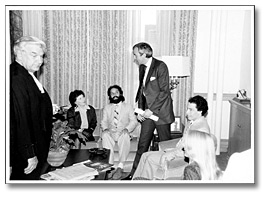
(79, 155)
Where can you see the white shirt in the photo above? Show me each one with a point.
(82, 111)
(39, 85)
(148, 64)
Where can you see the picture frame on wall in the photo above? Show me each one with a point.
(176, 125)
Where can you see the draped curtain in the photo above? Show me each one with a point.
(92, 49)
(15, 29)
(177, 37)
(216, 72)
(87, 50)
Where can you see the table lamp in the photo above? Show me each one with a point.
(178, 66)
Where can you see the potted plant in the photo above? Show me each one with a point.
(63, 138)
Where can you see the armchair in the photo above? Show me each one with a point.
(174, 169)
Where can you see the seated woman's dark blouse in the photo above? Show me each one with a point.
(75, 121)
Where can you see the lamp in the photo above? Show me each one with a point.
(178, 66)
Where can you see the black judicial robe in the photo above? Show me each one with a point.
(30, 123)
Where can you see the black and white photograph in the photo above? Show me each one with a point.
(78, 73)
(160, 94)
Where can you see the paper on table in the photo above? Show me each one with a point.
(75, 172)
(140, 111)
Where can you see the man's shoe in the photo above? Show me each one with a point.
(118, 174)
(128, 177)
(111, 173)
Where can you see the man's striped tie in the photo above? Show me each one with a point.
(115, 117)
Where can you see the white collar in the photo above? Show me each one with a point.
(118, 105)
(86, 107)
(148, 64)
(39, 85)
(197, 120)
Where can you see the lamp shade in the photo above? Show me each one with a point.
(178, 66)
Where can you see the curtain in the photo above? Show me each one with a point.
(177, 37)
(216, 72)
(16, 29)
(92, 49)
(87, 50)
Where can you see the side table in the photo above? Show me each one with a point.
(79, 155)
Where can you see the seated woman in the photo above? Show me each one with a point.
(200, 148)
(81, 116)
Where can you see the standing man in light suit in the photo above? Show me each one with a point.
(154, 97)
(117, 122)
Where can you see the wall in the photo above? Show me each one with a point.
(247, 68)
(237, 58)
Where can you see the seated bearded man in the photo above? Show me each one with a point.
(117, 123)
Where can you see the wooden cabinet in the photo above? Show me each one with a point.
(240, 127)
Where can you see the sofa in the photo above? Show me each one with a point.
(98, 143)
(97, 132)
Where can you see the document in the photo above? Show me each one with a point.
(140, 111)
(75, 172)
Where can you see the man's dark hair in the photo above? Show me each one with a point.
(201, 104)
(122, 98)
(145, 47)
(73, 96)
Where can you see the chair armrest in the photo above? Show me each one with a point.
(168, 144)
(176, 163)
(174, 170)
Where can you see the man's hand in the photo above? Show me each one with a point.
(147, 113)
(125, 131)
(168, 156)
(140, 118)
(105, 131)
(32, 164)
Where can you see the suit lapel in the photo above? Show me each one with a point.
(122, 109)
(151, 69)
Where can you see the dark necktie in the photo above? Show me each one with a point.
(140, 89)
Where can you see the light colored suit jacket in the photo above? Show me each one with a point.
(127, 118)
(200, 124)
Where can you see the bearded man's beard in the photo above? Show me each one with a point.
(116, 99)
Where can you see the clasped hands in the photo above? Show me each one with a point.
(147, 113)
(167, 156)
(124, 131)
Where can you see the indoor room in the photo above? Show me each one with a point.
(208, 50)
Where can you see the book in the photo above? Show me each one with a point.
(99, 166)
(49, 177)
(75, 172)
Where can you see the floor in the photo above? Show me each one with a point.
(222, 160)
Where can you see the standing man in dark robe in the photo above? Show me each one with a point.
(30, 111)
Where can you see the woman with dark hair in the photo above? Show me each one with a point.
(81, 116)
